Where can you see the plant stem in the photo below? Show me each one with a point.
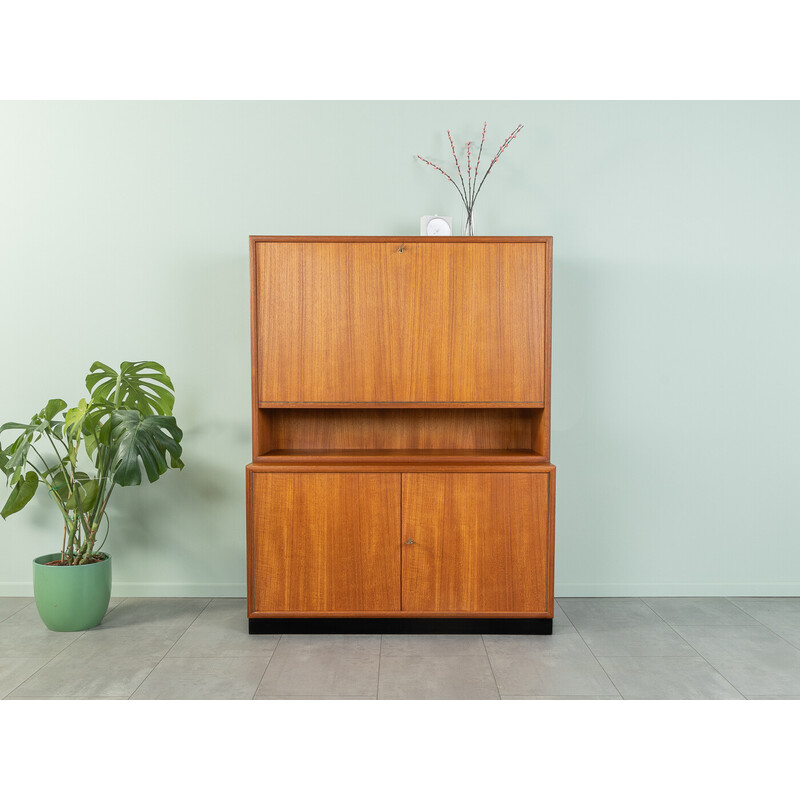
(497, 155)
(101, 510)
(469, 171)
(40, 458)
(60, 464)
(102, 477)
(458, 166)
(439, 169)
(53, 442)
(108, 528)
(477, 165)
(71, 542)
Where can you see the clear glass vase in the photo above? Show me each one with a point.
(469, 222)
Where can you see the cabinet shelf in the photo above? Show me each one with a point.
(406, 404)
(407, 456)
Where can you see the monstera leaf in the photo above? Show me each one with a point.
(20, 495)
(139, 385)
(46, 417)
(134, 437)
(88, 419)
(82, 488)
(75, 418)
(15, 456)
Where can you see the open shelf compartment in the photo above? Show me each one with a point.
(370, 435)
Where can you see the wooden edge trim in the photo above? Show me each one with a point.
(249, 533)
(401, 614)
(551, 540)
(548, 334)
(255, 239)
(400, 404)
(258, 466)
(254, 346)
(301, 460)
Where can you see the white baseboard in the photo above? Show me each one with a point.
(677, 589)
(133, 589)
(563, 589)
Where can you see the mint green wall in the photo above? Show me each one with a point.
(123, 235)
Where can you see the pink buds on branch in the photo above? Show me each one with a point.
(455, 158)
(469, 192)
(439, 169)
(477, 165)
(469, 173)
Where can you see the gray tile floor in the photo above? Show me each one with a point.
(601, 648)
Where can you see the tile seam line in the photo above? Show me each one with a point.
(770, 696)
(318, 696)
(735, 689)
(591, 651)
(564, 696)
(150, 672)
(210, 603)
(55, 655)
(266, 666)
(13, 613)
(491, 668)
(764, 624)
(451, 655)
(183, 632)
(380, 645)
(36, 672)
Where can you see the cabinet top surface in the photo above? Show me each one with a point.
(427, 239)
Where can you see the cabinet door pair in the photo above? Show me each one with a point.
(413, 542)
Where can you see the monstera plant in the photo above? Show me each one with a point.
(79, 456)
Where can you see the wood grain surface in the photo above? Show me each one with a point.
(364, 322)
(326, 542)
(475, 542)
(383, 429)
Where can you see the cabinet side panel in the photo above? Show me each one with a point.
(479, 542)
(260, 439)
(248, 515)
(541, 430)
(326, 542)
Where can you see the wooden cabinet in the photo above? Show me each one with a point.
(401, 434)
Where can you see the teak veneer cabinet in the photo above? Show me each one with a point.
(401, 476)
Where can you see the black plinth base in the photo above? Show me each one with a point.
(400, 625)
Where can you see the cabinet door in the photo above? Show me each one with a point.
(350, 322)
(476, 542)
(326, 542)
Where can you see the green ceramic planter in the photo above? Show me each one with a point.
(71, 598)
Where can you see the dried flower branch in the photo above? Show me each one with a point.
(469, 192)
(469, 174)
(503, 146)
(478, 164)
(455, 158)
(436, 167)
